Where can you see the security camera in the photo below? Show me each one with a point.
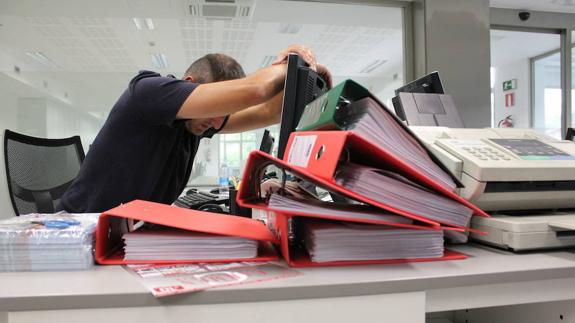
(524, 15)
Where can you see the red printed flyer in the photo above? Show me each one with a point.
(166, 280)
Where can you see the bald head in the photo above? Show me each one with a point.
(215, 68)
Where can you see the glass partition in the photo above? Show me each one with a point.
(525, 71)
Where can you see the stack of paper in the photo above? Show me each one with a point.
(396, 191)
(172, 244)
(41, 242)
(378, 126)
(345, 241)
(334, 210)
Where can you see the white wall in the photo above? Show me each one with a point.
(32, 116)
(46, 118)
(6, 210)
(8, 110)
(65, 121)
(8, 120)
(521, 114)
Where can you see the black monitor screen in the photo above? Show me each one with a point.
(430, 83)
(302, 85)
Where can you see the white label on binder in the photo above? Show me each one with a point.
(301, 150)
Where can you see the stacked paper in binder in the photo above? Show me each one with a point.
(347, 241)
(335, 232)
(349, 106)
(376, 161)
(41, 242)
(141, 232)
(288, 216)
(165, 243)
(399, 192)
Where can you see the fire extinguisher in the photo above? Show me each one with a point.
(506, 122)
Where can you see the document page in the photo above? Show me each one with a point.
(396, 191)
(345, 241)
(379, 127)
(334, 210)
(172, 244)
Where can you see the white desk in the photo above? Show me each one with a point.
(398, 293)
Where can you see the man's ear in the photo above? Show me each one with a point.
(189, 78)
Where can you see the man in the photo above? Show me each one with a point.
(146, 148)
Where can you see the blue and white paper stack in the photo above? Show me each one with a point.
(43, 242)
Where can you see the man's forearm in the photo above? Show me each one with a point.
(258, 116)
(228, 97)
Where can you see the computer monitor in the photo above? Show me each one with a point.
(267, 142)
(430, 83)
(302, 85)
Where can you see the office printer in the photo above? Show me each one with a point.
(505, 170)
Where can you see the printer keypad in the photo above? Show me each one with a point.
(486, 153)
(477, 149)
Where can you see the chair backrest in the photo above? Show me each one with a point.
(39, 170)
(569, 134)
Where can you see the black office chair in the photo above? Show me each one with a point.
(569, 134)
(39, 170)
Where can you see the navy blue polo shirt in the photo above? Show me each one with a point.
(141, 152)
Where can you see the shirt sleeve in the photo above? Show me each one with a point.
(212, 131)
(158, 99)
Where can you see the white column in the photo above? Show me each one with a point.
(454, 40)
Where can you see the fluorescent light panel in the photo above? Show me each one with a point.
(289, 28)
(194, 10)
(373, 65)
(143, 23)
(245, 11)
(40, 57)
(268, 59)
(159, 60)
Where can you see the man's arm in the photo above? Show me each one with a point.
(228, 97)
(259, 116)
(265, 114)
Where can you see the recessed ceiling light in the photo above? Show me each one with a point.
(149, 23)
(289, 28)
(143, 23)
(194, 10)
(245, 11)
(40, 57)
(159, 60)
(564, 2)
(268, 59)
(373, 65)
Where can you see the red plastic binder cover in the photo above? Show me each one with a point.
(249, 194)
(109, 245)
(297, 257)
(329, 146)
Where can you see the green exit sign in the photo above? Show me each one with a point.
(510, 85)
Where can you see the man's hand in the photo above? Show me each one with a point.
(309, 57)
(304, 52)
(325, 74)
(269, 112)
